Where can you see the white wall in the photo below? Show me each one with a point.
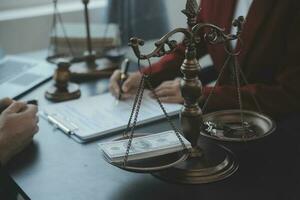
(177, 18)
(25, 31)
(174, 7)
(32, 33)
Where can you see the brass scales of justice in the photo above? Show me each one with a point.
(207, 161)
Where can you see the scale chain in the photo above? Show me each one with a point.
(238, 85)
(176, 130)
(135, 110)
(247, 83)
(217, 83)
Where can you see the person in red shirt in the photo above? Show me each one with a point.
(269, 59)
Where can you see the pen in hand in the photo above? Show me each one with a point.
(33, 102)
(124, 76)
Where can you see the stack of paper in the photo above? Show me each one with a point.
(144, 147)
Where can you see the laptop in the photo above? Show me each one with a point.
(18, 75)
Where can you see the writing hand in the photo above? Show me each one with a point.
(18, 124)
(129, 86)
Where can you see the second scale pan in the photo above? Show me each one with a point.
(237, 125)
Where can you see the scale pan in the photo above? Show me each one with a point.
(226, 125)
(153, 164)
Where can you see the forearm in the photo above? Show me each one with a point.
(168, 67)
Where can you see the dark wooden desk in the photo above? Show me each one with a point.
(56, 167)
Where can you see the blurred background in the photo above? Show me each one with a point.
(25, 25)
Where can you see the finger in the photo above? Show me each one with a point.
(171, 99)
(164, 84)
(31, 110)
(15, 107)
(165, 92)
(159, 91)
(31, 129)
(126, 96)
(129, 84)
(113, 84)
(36, 130)
(28, 119)
(168, 82)
(5, 102)
(169, 90)
(151, 94)
(116, 75)
(114, 89)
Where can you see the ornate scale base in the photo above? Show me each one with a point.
(216, 163)
(72, 91)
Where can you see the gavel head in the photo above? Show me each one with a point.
(62, 74)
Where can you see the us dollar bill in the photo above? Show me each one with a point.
(144, 147)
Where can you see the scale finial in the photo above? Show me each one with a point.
(191, 11)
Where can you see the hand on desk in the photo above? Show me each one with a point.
(129, 87)
(18, 124)
(168, 91)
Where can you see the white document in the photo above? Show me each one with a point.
(94, 116)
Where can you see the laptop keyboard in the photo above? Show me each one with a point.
(10, 69)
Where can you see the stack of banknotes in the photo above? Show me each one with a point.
(143, 147)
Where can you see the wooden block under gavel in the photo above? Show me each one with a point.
(62, 89)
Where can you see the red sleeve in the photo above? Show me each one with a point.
(168, 67)
(278, 99)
